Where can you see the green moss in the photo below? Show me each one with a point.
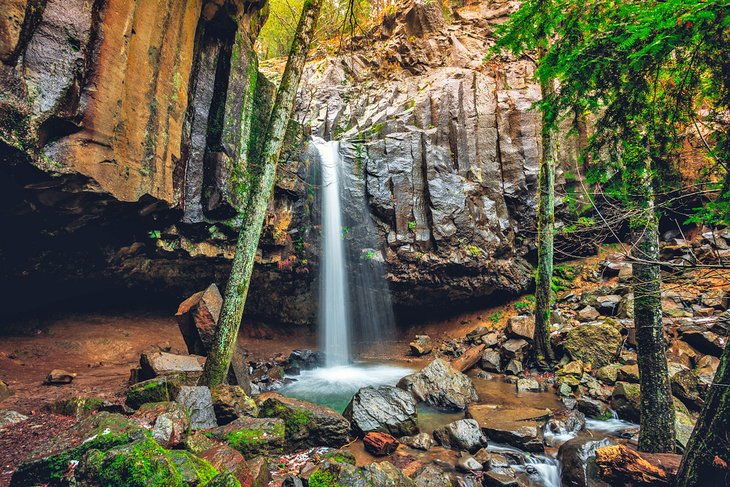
(294, 419)
(321, 478)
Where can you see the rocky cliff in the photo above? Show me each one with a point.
(120, 123)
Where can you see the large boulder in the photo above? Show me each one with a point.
(463, 434)
(50, 460)
(199, 403)
(307, 424)
(440, 385)
(223, 458)
(521, 326)
(157, 363)
(432, 476)
(232, 402)
(598, 344)
(421, 345)
(386, 409)
(159, 389)
(520, 427)
(197, 317)
(252, 436)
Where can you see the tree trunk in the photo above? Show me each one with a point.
(219, 358)
(707, 459)
(543, 352)
(657, 433)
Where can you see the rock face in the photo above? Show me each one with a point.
(123, 134)
(386, 409)
(440, 385)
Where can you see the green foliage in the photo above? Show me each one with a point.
(473, 250)
(525, 304)
(495, 318)
(322, 478)
(412, 225)
(563, 277)
(368, 255)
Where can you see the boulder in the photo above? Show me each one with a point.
(59, 377)
(52, 459)
(491, 361)
(432, 476)
(515, 348)
(382, 474)
(589, 313)
(628, 373)
(626, 401)
(598, 344)
(519, 427)
(225, 459)
(168, 421)
(156, 364)
(578, 461)
(514, 367)
(421, 345)
(686, 387)
(159, 389)
(620, 465)
(702, 340)
(500, 478)
(421, 441)
(259, 468)
(521, 326)
(528, 384)
(306, 359)
(467, 463)
(379, 444)
(463, 434)
(199, 403)
(573, 368)
(565, 422)
(440, 385)
(80, 407)
(608, 305)
(608, 374)
(593, 408)
(232, 402)
(252, 436)
(197, 317)
(385, 409)
(307, 424)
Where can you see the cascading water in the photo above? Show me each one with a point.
(334, 312)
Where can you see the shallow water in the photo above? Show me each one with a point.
(335, 386)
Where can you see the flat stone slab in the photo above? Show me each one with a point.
(520, 427)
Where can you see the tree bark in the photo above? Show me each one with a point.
(707, 459)
(543, 352)
(657, 434)
(219, 358)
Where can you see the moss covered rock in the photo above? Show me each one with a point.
(159, 389)
(598, 344)
(168, 421)
(232, 402)
(382, 474)
(306, 424)
(78, 407)
(626, 401)
(252, 436)
(50, 461)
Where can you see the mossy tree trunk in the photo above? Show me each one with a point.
(543, 352)
(657, 432)
(262, 185)
(707, 459)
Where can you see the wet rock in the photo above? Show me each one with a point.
(252, 436)
(589, 313)
(386, 409)
(598, 344)
(620, 465)
(197, 317)
(608, 374)
(578, 461)
(159, 389)
(168, 421)
(521, 327)
(440, 385)
(514, 367)
(421, 441)
(421, 345)
(519, 427)
(626, 401)
(491, 361)
(8, 418)
(306, 359)
(199, 403)
(432, 476)
(592, 408)
(501, 478)
(463, 434)
(686, 387)
(307, 424)
(156, 364)
(59, 377)
(608, 305)
(232, 402)
(52, 459)
(528, 384)
(566, 421)
(383, 474)
(380, 444)
(469, 464)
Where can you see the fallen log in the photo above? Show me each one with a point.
(468, 359)
(620, 465)
(380, 444)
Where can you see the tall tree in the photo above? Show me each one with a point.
(219, 358)
(527, 30)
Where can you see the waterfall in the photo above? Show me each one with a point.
(334, 310)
